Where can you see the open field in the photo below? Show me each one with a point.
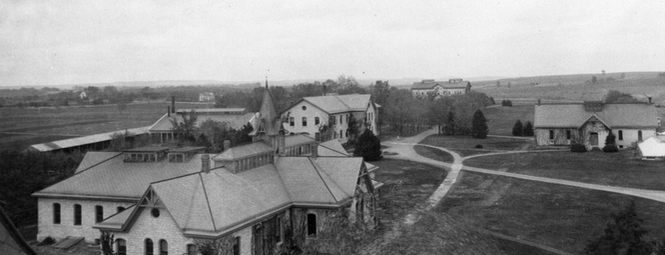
(434, 154)
(465, 145)
(576, 87)
(616, 169)
(557, 216)
(500, 120)
(21, 127)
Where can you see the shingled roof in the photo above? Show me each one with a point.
(218, 202)
(338, 103)
(430, 84)
(573, 115)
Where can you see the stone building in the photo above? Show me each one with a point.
(590, 123)
(265, 197)
(313, 115)
(437, 89)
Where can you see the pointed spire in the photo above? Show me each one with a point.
(269, 121)
(266, 82)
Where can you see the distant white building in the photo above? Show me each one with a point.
(440, 88)
(652, 148)
(207, 97)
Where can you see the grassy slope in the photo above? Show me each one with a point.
(465, 145)
(615, 169)
(500, 120)
(553, 215)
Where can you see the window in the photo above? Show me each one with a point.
(311, 224)
(551, 134)
(278, 226)
(120, 209)
(639, 135)
(292, 121)
(163, 247)
(316, 121)
(192, 249)
(236, 245)
(99, 213)
(121, 247)
(149, 248)
(304, 108)
(341, 120)
(341, 134)
(348, 116)
(77, 214)
(56, 213)
(154, 212)
(568, 134)
(620, 135)
(304, 121)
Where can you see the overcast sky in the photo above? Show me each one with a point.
(64, 42)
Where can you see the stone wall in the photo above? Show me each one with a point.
(156, 228)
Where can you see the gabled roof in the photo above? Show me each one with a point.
(244, 151)
(116, 179)
(337, 103)
(621, 115)
(93, 158)
(235, 121)
(84, 140)
(331, 148)
(217, 202)
(299, 139)
(11, 240)
(430, 84)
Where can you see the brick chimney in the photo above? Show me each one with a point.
(315, 150)
(168, 111)
(205, 163)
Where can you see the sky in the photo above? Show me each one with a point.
(54, 42)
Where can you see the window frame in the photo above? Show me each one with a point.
(163, 247)
(236, 245)
(568, 135)
(292, 121)
(189, 248)
(99, 213)
(312, 227)
(145, 246)
(57, 213)
(317, 120)
(121, 243)
(304, 121)
(551, 134)
(78, 215)
(620, 135)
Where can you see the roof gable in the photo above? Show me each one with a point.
(639, 115)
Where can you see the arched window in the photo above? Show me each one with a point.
(317, 121)
(311, 225)
(56, 213)
(149, 248)
(99, 213)
(304, 121)
(77, 214)
(121, 248)
(163, 247)
(192, 249)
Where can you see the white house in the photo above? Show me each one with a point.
(589, 123)
(440, 88)
(311, 115)
(652, 148)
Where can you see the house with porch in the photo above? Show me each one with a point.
(266, 197)
(327, 117)
(590, 123)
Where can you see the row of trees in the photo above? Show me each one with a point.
(520, 129)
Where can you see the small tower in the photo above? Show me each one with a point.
(269, 124)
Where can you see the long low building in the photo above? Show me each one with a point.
(85, 143)
(236, 118)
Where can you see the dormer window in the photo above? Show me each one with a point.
(176, 157)
(145, 154)
(183, 154)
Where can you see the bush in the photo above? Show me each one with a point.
(578, 147)
(368, 146)
(479, 146)
(528, 129)
(517, 128)
(610, 148)
(507, 103)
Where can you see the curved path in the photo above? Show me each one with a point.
(403, 149)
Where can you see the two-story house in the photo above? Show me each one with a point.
(437, 89)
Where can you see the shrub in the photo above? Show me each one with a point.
(517, 128)
(610, 148)
(528, 129)
(506, 103)
(479, 146)
(578, 147)
(610, 139)
(368, 146)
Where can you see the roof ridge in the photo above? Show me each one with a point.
(212, 218)
(99, 163)
(324, 182)
(340, 100)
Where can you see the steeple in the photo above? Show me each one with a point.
(269, 122)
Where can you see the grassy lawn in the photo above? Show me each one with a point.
(465, 145)
(557, 216)
(616, 169)
(500, 120)
(434, 154)
(38, 125)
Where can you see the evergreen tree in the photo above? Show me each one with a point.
(528, 129)
(368, 146)
(623, 235)
(517, 128)
(450, 123)
(479, 127)
(610, 139)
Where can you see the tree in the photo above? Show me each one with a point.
(528, 129)
(185, 129)
(106, 240)
(517, 128)
(368, 146)
(610, 143)
(479, 127)
(614, 96)
(622, 235)
(353, 129)
(450, 123)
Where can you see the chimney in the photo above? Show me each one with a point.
(324, 90)
(315, 150)
(649, 100)
(205, 163)
(227, 145)
(172, 104)
(538, 101)
(168, 111)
